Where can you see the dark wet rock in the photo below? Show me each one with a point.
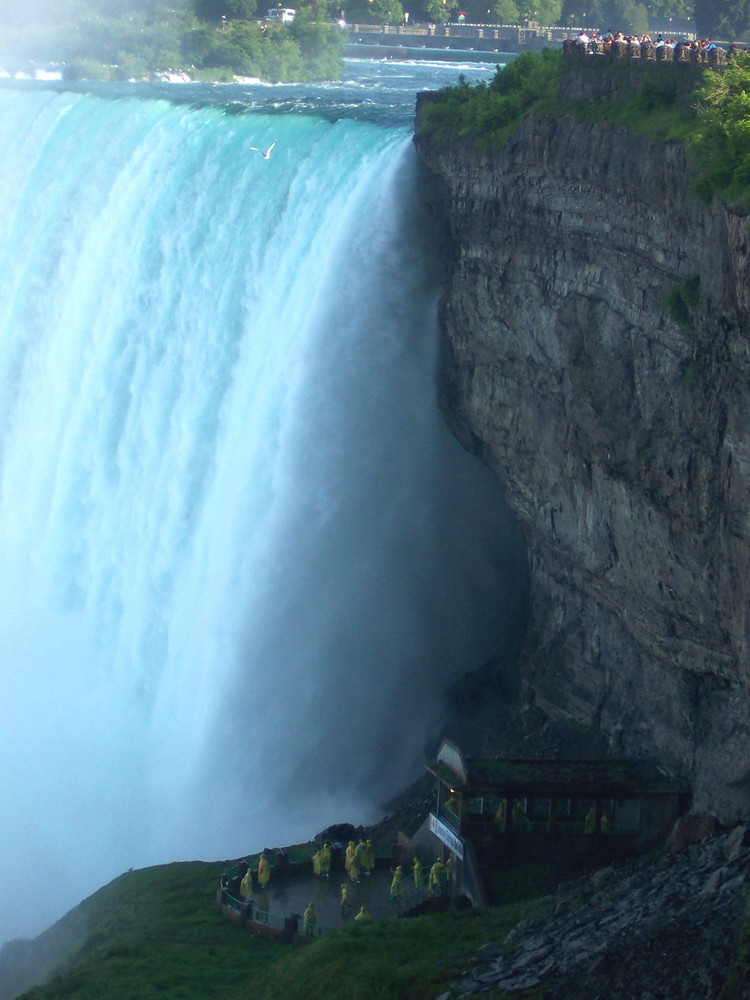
(666, 927)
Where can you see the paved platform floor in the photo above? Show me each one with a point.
(292, 894)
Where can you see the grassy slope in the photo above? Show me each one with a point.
(154, 935)
(407, 959)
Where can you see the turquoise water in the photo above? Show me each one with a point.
(242, 556)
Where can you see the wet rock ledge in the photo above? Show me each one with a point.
(663, 928)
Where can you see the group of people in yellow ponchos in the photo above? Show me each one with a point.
(321, 861)
(436, 878)
(263, 876)
(346, 904)
(359, 859)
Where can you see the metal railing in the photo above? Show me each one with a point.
(411, 892)
(248, 911)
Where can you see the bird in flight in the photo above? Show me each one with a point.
(267, 154)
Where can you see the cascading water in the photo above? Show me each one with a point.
(242, 556)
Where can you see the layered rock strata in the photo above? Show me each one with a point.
(595, 354)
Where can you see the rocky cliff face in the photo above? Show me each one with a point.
(622, 435)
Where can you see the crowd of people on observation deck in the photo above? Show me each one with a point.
(660, 47)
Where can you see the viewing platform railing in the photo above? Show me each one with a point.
(680, 53)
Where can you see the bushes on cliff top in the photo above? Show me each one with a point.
(715, 123)
(488, 113)
(721, 136)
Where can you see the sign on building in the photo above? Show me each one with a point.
(448, 837)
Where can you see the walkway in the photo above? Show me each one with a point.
(292, 894)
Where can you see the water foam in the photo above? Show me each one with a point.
(242, 556)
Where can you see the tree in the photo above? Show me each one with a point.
(505, 12)
(726, 19)
(580, 12)
(375, 11)
(620, 15)
(435, 11)
(218, 10)
(542, 11)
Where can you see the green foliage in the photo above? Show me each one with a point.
(721, 138)
(431, 10)
(505, 12)
(624, 15)
(87, 69)
(681, 299)
(545, 12)
(727, 19)
(375, 11)
(134, 39)
(486, 114)
(217, 10)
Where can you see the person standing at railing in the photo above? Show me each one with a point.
(246, 885)
(264, 871)
(437, 878)
(416, 867)
(395, 890)
(449, 871)
(309, 920)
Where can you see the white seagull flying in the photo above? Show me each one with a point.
(267, 154)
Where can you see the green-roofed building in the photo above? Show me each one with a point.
(501, 811)
(632, 799)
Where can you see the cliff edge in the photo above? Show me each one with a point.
(619, 425)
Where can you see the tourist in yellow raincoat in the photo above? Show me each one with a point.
(264, 871)
(416, 867)
(325, 859)
(437, 877)
(363, 915)
(309, 920)
(316, 862)
(246, 885)
(395, 890)
(354, 869)
(368, 858)
(346, 903)
(349, 854)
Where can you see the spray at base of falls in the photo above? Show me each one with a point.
(242, 555)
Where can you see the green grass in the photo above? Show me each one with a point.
(404, 959)
(154, 934)
(738, 977)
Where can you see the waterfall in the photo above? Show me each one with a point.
(242, 556)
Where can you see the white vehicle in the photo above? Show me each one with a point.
(281, 14)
